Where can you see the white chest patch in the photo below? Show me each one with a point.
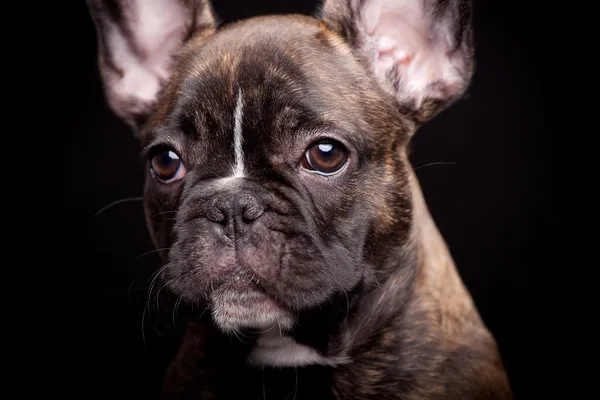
(274, 349)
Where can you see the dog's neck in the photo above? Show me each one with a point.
(436, 272)
(432, 272)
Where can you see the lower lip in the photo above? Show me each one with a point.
(238, 304)
(248, 289)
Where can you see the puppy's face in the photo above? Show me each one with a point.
(279, 158)
(277, 176)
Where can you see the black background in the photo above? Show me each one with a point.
(494, 192)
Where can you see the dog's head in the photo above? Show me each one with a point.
(276, 146)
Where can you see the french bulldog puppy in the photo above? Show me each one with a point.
(279, 181)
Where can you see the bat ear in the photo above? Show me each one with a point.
(420, 51)
(137, 41)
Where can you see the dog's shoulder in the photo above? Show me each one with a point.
(478, 366)
(424, 354)
(434, 346)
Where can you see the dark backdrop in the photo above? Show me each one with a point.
(488, 167)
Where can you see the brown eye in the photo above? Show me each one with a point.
(166, 166)
(325, 158)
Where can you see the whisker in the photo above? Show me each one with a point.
(128, 291)
(264, 387)
(435, 163)
(164, 212)
(150, 252)
(156, 297)
(129, 288)
(296, 384)
(117, 202)
(205, 310)
(154, 278)
(143, 330)
(146, 311)
(235, 332)
(177, 303)
(268, 329)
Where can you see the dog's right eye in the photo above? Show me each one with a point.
(166, 166)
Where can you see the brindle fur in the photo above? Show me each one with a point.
(409, 330)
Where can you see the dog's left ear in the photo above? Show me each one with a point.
(420, 51)
(137, 41)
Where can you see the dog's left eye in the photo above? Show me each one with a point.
(325, 158)
(166, 166)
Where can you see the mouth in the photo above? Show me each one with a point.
(239, 304)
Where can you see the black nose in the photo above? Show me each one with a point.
(234, 209)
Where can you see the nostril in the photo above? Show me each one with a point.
(252, 212)
(213, 214)
(234, 208)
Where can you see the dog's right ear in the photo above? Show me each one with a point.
(137, 40)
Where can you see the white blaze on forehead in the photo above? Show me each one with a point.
(238, 114)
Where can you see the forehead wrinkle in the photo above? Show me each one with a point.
(207, 91)
(217, 64)
(341, 87)
(219, 53)
(220, 56)
(279, 63)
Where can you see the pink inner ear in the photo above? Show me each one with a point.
(156, 29)
(370, 15)
(398, 41)
(402, 38)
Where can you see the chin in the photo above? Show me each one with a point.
(239, 306)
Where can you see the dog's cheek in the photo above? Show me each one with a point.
(159, 224)
(357, 214)
(288, 266)
(389, 199)
(160, 205)
(305, 280)
(198, 260)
